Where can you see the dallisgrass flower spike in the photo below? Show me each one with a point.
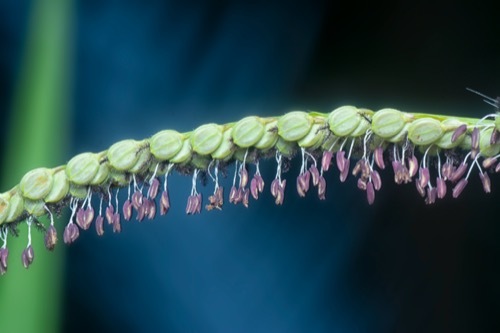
(436, 152)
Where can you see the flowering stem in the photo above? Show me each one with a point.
(436, 151)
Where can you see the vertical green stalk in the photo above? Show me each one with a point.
(31, 300)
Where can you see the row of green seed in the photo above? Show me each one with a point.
(196, 149)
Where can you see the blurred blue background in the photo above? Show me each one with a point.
(307, 266)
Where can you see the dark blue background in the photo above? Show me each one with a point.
(308, 266)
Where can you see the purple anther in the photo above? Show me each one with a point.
(117, 227)
(494, 137)
(244, 200)
(326, 160)
(377, 181)
(127, 210)
(420, 189)
(89, 217)
(396, 167)
(71, 233)
(152, 209)
(109, 214)
(459, 172)
(28, 256)
(300, 186)
(198, 201)
(357, 168)
(275, 185)
(153, 188)
(4, 254)
(489, 162)
(378, 156)
(458, 132)
(441, 188)
(370, 193)
(431, 196)
(137, 199)
(233, 194)
(474, 143)
(345, 171)
(362, 184)
(189, 204)
(341, 160)
(314, 174)
(243, 177)
(50, 238)
(80, 217)
(141, 213)
(459, 187)
(253, 188)
(447, 170)
(164, 203)
(280, 195)
(322, 188)
(412, 166)
(485, 179)
(99, 225)
(424, 177)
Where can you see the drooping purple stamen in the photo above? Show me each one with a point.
(441, 188)
(485, 180)
(322, 188)
(459, 187)
(164, 203)
(127, 210)
(459, 172)
(378, 156)
(153, 188)
(326, 160)
(377, 181)
(314, 174)
(71, 233)
(370, 193)
(99, 225)
(50, 238)
(28, 256)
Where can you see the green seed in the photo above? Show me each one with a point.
(117, 178)
(184, 154)
(485, 147)
(200, 162)
(206, 139)
(387, 123)
(102, 174)
(165, 144)
(315, 135)
(36, 184)
(449, 126)
(78, 191)
(295, 125)
(363, 126)
(286, 148)
(142, 163)
(82, 168)
(225, 149)
(343, 120)
(425, 131)
(401, 136)
(35, 208)
(268, 140)
(123, 155)
(247, 132)
(4, 207)
(16, 209)
(60, 187)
